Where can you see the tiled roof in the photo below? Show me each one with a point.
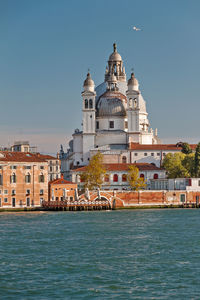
(60, 181)
(164, 147)
(46, 157)
(124, 167)
(20, 157)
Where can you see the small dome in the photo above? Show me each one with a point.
(115, 56)
(88, 81)
(132, 81)
(111, 104)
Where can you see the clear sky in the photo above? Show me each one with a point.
(47, 46)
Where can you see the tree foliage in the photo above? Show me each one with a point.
(94, 172)
(134, 180)
(197, 161)
(186, 149)
(178, 165)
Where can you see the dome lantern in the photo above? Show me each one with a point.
(88, 84)
(133, 83)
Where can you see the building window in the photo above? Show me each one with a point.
(155, 176)
(164, 154)
(41, 201)
(158, 154)
(41, 192)
(136, 154)
(13, 167)
(28, 178)
(0, 191)
(28, 192)
(141, 175)
(5, 200)
(152, 154)
(111, 124)
(71, 198)
(115, 178)
(1, 179)
(5, 192)
(124, 159)
(32, 203)
(20, 203)
(13, 178)
(126, 124)
(27, 167)
(97, 124)
(13, 192)
(51, 169)
(124, 177)
(41, 167)
(145, 154)
(86, 103)
(41, 178)
(90, 104)
(106, 178)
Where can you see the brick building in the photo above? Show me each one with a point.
(60, 190)
(23, 179)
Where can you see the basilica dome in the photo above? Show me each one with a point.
(111, 104)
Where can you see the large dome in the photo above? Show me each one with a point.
(111, 104)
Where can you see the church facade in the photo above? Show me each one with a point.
(115, 122)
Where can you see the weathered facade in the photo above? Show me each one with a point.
(61, 190)
(23, 180)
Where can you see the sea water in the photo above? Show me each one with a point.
(128, 254)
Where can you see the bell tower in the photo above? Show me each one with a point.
(89, 118)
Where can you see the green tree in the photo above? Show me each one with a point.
(188, 164)
(173, 164)
(186, 149)
(134, 180)
(94, 172)
(197, 161)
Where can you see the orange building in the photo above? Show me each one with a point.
(61, 189)
(23, 179)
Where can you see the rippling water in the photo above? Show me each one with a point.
(129, 254)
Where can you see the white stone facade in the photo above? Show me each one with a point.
(114, 118)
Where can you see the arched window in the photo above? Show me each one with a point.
(141, 175)
(130, 102)
(135, 103)
(86, 103)
(155, 176)
(124, 177)
(115, 178)
(106, 178)
(28, 178)
(124, 159)
(90, 103)
(13, 178)
(41, 178)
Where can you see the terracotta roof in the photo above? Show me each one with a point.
(20, 157)
(60, 181)
(166, 147)
(46, 157)
(124, 167)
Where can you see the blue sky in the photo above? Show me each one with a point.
(47, 46)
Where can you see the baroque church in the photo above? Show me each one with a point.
(114, 119)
